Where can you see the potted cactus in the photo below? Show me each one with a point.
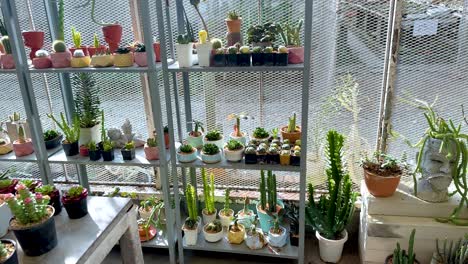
(273, 154)
(250, 155)
(209, 212)
(282, 56)
(401, 256)
(7, 60)
(213, 231)
(96, 46)
(33, 223)
(203, 49)
(87, 105)
(231, 56)
(75, 202)
(254, 238)
(268, 56)
(42, 60)
(233, 151)
(277, 235)
(331, 214)
(195, 137)
(246, 216)
(214, 137)
(451, 254)
(226, 214)
(236, 233)
(140, 54)
(269, 206)
(52, 139)
(219, 57)
(76, 37)
(54, 195)
(7, 185)
(22, 146)
(292, 132)
(210, 153)
(8, 253)
(186, 153)
(192, 222)
(237, 134)
(296, 155)
(151, 149)
(61, 57)
(243, 58)
(102, 58)
(123, 57)
(291, 37)
(128, 151)
(94, 151)
(233, 23)
(80, 60)
(262, 153)
(107, 150)
(72, 134)
(260, 134)
(184, 49)
(12, 126)
(257, 56)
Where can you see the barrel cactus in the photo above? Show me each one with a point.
(59, 46)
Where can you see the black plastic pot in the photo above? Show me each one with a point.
(55, 201)
(13, 259)
(70, 149)
(269, 59)
(250, 158)
(262, 158)
(295, 160)
(219, 60)
(95, 155)
(273, 159)
(76, 208)
(128, 154)
(108, 155)
(257, 59)
(38, 239)
(53, 143)
(231, 59)
(281, 59)
(243, 60)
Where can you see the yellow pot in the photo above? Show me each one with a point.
(236, 237)
(285, 159)
(102, 61)
(80, 62)
(6, 148)
(123, 60)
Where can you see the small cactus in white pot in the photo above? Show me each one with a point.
(226, 214)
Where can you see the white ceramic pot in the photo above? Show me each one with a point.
(191, 235)
(215, 158)
(212, 237)
(5, 217)
(219, 142)
(196, 142)
(245, 219)
(146, 214)
(184, 54)
(186, 157)
(276, 240)
(226, 220)
(88, 134)
(256, 241)
(208, 218)
(204, 54)
(242, 139)
(331, 250)
(234, 155)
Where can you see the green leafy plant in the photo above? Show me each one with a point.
(214, 227)
(72, 133)
(150, 202)
(50, 134)
(234, 145)
(74, 192)
(291, 35)
(129, 145)
(268, 195)
(45, 189)
(260, 132)
(233, 15)
(186, 148)
(403, 257)
(292, 123)
(87, 101)
(213, 135)
(330, 215)
(76, 37)
(199, 129)
(195, 4)
(152, 142)
(227, 202)
(262, 33)
(451, 254)
(208, 192)
(92, 146)
(191, 198)
(210, 149)
(28, 208)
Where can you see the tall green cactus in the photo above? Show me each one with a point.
(400, 256)
(227, 200)
(21, 134)
(263, 200)
(330, 215)
(191, 197)
(208, 192)
(268, 191)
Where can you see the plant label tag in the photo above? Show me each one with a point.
(425, 27)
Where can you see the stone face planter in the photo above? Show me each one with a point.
(215, 158)
(61, 59)
(277, 240)
(42, 62)
(219, 142)
(296, 55)
(151, 153)
(101, 61)
(208, 218)
(226, 220)
(234, 155)
(266, 221)
(212, 237)
(381, 186)
(5, 217)
(293, 136)
(331, 250)
(91, 133)
(255, 241)
(196, 142)
(204, 54)
(236, 237)
(187, 157)
(7, 60)
(80, 62)
(191, 235)
(141, 59)
(184, 54)
(23, 149)
(123, 60)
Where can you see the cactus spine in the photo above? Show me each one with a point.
(208, 192)
(268, 195)
(330, 215)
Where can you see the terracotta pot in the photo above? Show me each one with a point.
(113, 36)
(233, 26)
(151, 153)
(8, 62)
(61, 59)
(42, 63)
(166, 140)
(92, 51)
(34, 40)
(141, 59)
(83, 48)
(157, 51)
(293, 136)
(23, 149)
(296, 55)
(381, 186)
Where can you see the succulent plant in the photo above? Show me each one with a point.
(186, 148)
(261, 150)
(213, 135)
(129, 145)
(50, 134)
(183, 39)
(76, 36)
(220, 51)
(96, 41)
(122, 50)
(273, 151)
(232, 50)
(286, 147)
(74, 192)
(210, 149)
(233, 15)
(152, 142)
(92, 146)
(282, 49)
(214, 227)
(59, 46)
(260, 133)
(234, 145)
(216, 43)
(139, 47)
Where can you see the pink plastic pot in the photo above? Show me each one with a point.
(34, 40)
(23, 149)
(91, 51)
(61, 59)
(296, 55)
(157, 51)
(8, 62)
(42, 63)
(151, 153)
(113, 36)
(140, 59)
